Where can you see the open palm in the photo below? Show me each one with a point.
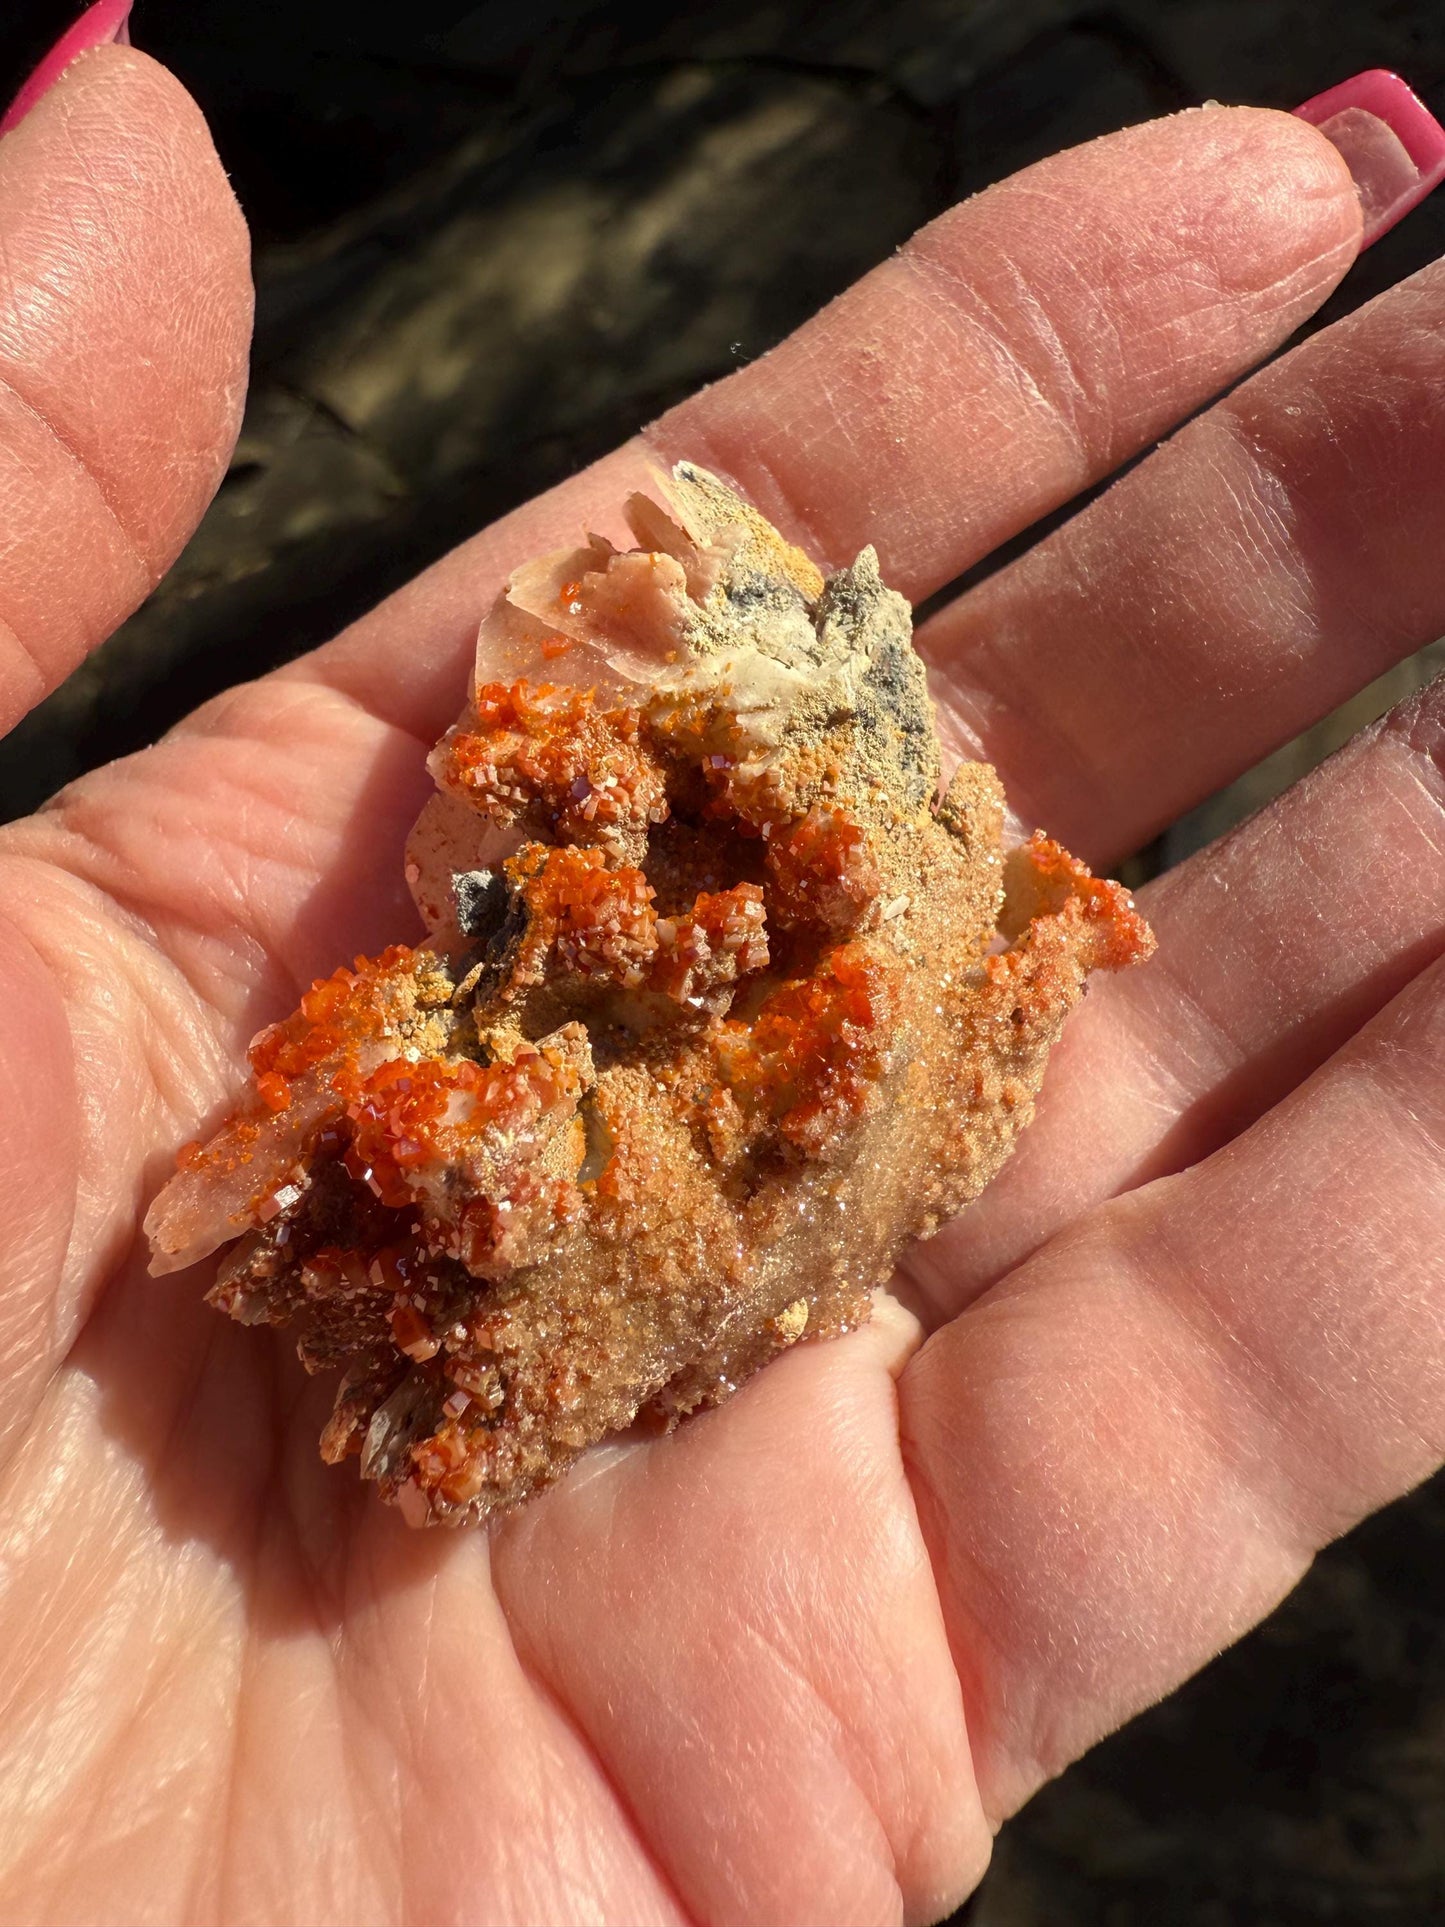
(793, 1663)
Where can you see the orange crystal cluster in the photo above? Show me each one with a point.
(410, 1118)
(586, 917)
(722, 1003)
(540, 747)
(810, 1058)
(600, 920)
(821, 870)
(335, 1015)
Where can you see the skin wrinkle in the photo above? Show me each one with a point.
(280, 1520)
(1075, 400)
(127, 923)
(85, 1832)
(1322, 598)
(83, 1824)
(270, 1505)
(1397, 1066)
(384, 1868)
(302, 672)
(833, 1730)
(177, 181)
(86, 855)
(1419, 727)
(387, 1850)
(773, 1589)
(1023, 1741)
(178, 924)
(968, 1627)
(1296, 545)
(549, 1716)
(549, 1696)
(71, 251)
(1264, 508)
(984, 714)
(1352, 1077)
(965, 306)
(148, 571)
(1179, 267)
(23, 683)
(1314, 860)
(1367, 380)
(409, 1782)
(99, 206)
(913, 1848)
(68, 1280)
(427, 1643)
(115, 1207)
(1262, 1387)
(823, 376)
(1210, 1049)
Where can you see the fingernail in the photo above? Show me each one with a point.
(1392, 144)
(101, 25)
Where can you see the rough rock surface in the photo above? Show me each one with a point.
(721, 1005)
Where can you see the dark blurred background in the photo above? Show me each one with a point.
(491, 241)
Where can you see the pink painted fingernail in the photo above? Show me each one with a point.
(1392, 144)
(101, 25)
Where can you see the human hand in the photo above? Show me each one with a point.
(793, 1662)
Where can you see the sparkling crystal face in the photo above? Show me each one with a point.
(720, 1004)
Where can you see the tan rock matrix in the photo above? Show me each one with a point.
(721, 1003)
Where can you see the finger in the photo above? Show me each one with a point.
(1281, 552)
(1030, 340)
(1275, 946)
(125, 310)
(124, 315)
(1129, 1451)
(742, 1621)
(1016, 349)
(1218, 231)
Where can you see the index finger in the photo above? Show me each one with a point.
(1017, 349)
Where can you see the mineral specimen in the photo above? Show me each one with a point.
(721, 1003)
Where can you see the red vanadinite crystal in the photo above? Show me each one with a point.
(733, 921)
(821, 871)
(815, 1048)
(589, 769)
(597, 921)
(444, 1462)
(337, 1013)
(411, 1332)
(723, 937)
(407, 1116)
(274, 1090)
(502, 1227)
(1064, 885)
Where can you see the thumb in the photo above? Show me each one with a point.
(125, 316)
